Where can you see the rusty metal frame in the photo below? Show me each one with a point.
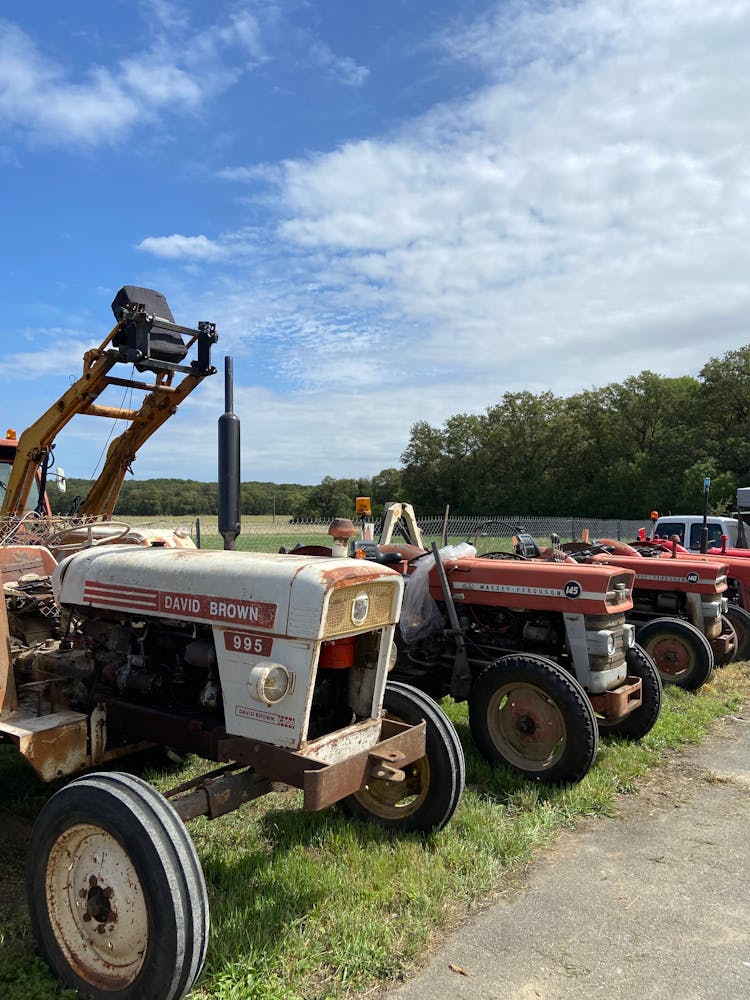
(615, 705)
(322, 784)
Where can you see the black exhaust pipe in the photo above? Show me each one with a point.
(230, 523)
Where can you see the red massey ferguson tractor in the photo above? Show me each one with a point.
(725, 539)
(679, 608)
(542, 652)
(737, 563)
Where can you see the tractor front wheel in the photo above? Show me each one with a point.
(682, 654)
(434, 784)
(529, 714)
(116, 894)
(641, 720)
(740, 620)
(727, 629)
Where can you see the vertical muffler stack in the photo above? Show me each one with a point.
(230, 524)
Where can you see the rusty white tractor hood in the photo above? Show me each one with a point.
(266, 613)
(284, 594)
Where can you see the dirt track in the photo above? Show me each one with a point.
(654, 902)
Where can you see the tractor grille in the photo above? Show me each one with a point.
(613, 624)
(381, 595)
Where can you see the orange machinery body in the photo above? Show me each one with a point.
(538, 586)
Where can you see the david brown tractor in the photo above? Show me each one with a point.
(541, 651)
(275, 668)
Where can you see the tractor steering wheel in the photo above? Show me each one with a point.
(86, 536)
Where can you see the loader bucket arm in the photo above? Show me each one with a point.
(36, 441)
(156, 409)
(153, 344)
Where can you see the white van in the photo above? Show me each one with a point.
(689, 526)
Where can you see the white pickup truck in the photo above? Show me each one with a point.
(688, 527)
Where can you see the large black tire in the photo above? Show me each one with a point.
(727, 628)
(642, 720)
(529, 714)
(116, 893)
(740, 620)
(681, 652)
(434, 784)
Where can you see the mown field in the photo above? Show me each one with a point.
(312, 906)
(261, 534)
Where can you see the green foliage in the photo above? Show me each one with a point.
(618, 451)
(185, 497)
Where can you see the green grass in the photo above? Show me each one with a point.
(314, 906)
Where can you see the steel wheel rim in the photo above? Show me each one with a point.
(96, 907)
(526, 726)
(396, 800)
(671, 656)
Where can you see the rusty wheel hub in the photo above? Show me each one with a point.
(671, 656)
(526, 726)
(96, 907)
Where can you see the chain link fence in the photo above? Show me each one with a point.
(487, 532)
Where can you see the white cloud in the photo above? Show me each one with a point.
(175, 70)
(343, 68)
(581, 216)
(299, 438)
(178, 71)
(178, 247)
(63, 353)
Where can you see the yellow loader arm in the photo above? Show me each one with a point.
(147, 337)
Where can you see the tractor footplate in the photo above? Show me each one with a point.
(614, 705)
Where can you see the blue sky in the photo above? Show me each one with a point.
(392, 211)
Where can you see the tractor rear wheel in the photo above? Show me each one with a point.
(682, 654)
(116, 894)
(527, 713)
(740, 619)
(642, 720)
(434, 784)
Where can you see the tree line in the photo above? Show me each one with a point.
(618, 451)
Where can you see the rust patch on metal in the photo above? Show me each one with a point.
(56, 750)
(615, 705)
(215, 795)
(722, 645)
(324, 787)
(8, 697)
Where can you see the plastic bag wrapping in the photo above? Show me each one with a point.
(420, 615)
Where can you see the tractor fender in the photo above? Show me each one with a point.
(619, 548)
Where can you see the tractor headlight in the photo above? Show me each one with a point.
(601, 642)
(628, 636)
(392, 656)
(269, 682)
